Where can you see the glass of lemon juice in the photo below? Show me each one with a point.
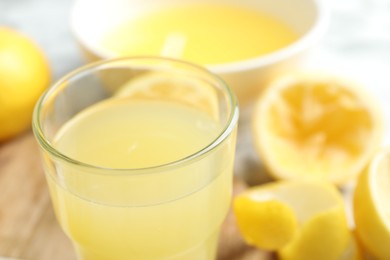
(138, 155)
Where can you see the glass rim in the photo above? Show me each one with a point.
(224, 133)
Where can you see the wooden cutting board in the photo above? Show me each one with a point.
(28, 228)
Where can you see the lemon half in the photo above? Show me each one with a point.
(316, 126)
(372, 206)
(181, 88)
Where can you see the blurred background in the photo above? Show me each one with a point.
(47, 22)
(357, 41)
(357, 44)
(359, 33)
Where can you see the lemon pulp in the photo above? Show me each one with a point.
(316, 127)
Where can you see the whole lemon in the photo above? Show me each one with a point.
(24, 75)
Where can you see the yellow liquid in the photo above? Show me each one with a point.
(202, 33)
(171, 214)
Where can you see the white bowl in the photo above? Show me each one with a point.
(91, 19)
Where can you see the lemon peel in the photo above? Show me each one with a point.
(269, 225)
(313, 222)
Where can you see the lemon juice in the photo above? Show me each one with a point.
(137, 212)
(201, 33)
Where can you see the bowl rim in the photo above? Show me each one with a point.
(312, 36)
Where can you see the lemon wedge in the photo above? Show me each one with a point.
(316, 126)
(372, 206)
(191, 91)
(298, 219)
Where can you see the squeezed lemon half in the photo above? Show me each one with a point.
(372, 206)
(316, 126)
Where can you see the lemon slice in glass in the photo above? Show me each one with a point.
(190, 91)
(316, 126)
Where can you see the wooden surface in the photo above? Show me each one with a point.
(28, 228)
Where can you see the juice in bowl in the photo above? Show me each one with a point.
(200, 33)
(245, 42)
(136, 170)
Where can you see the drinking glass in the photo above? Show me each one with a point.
(138, 155)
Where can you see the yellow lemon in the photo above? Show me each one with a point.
(316, 126)
(372, 206)
(175, 87)
(24, 75)
(298, 219)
